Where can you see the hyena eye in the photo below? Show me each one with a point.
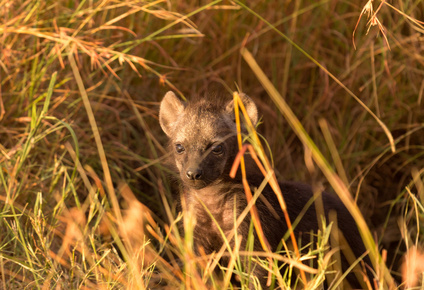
(217, 149)
(179, 148)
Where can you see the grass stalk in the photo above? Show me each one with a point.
(334, 180)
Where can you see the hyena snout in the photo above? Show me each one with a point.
(194, 174)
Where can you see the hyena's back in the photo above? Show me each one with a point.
(203, 141)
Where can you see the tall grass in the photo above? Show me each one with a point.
(85, 198)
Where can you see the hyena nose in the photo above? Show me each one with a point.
(194, 174)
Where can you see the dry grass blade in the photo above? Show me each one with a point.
(96, 134)
(417, 22)
(373, 21)
(68, 139)
(246, 54)
(101, 152)
(246, 186)
(335, 182)
(231, 264)
(273, 181)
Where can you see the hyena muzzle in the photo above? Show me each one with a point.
(203, 140)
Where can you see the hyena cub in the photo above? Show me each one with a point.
(203, 139)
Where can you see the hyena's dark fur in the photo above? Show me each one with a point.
(202, 137)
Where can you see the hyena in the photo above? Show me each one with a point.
(203, 140)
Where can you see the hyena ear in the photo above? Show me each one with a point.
(250, 106)
(171, 108)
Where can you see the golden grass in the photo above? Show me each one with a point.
(85, 200)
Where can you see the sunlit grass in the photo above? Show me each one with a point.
(86, 199)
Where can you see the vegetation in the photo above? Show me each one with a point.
(85, 198)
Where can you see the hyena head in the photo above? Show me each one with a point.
(202, 136)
